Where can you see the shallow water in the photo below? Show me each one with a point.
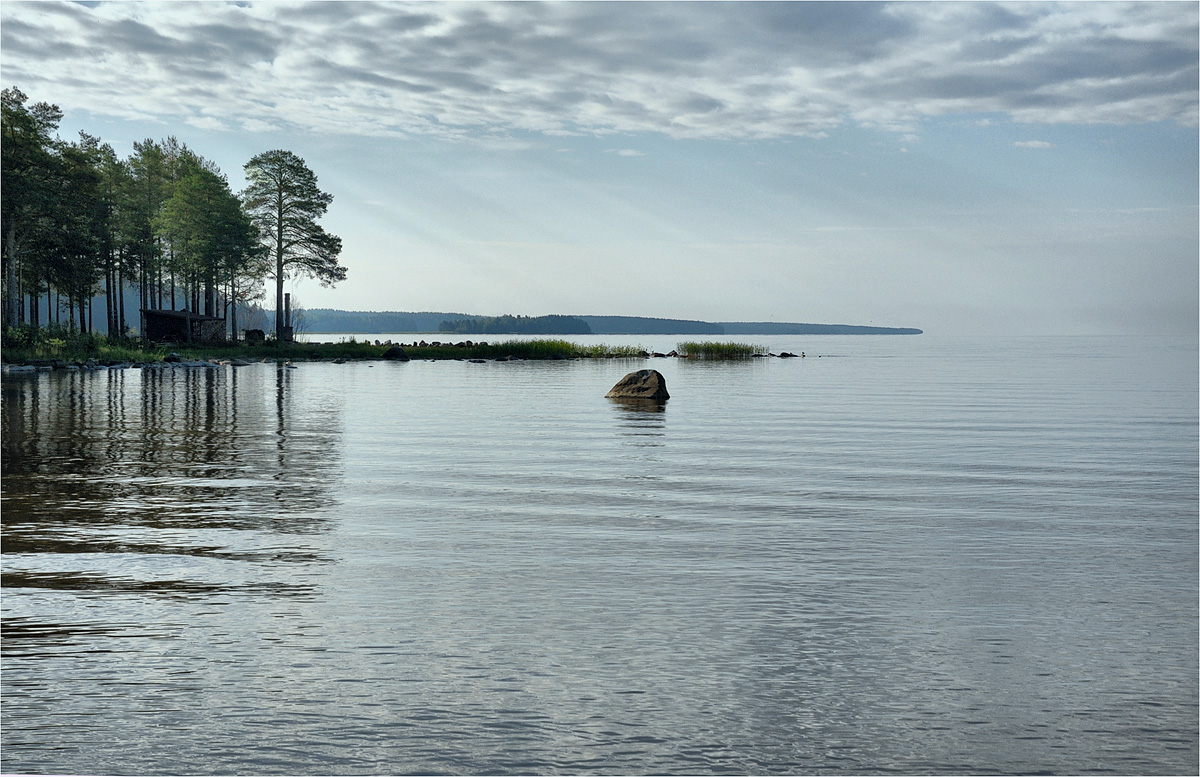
(907, 554)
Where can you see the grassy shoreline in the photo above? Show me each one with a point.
(59, 348)
(47, 347)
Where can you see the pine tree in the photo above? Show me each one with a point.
(30, 168)
(284, 202)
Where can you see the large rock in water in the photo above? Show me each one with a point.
(395, 353)
(643, 384)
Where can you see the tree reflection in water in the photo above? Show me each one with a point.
(167, 463)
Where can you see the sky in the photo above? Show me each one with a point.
(963, 168)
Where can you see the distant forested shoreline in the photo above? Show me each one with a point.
(328, 320)
(517, 325)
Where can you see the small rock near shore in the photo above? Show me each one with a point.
(643, 384)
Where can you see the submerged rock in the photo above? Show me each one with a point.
(643, 384)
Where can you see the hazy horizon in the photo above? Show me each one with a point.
(953, 167)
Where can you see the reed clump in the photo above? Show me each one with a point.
(720, 351)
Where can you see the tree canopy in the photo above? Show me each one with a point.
(78, 221)
(31, 171)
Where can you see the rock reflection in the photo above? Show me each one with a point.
(206, 464)
(639, 405)
(644, 421)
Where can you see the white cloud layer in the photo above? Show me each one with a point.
(705, 70)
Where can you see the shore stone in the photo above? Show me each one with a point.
(643, 384)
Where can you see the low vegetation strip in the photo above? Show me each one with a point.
(46, 346)
(58, 346)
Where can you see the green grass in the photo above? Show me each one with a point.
(31, 345)
(719, 351)
(28, 344)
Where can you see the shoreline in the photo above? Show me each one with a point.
(99, 355)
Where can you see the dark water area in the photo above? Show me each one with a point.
(915, 555)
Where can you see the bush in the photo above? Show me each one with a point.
(26, 343)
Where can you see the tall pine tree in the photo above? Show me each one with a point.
(284, 202)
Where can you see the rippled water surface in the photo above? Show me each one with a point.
(898, 554)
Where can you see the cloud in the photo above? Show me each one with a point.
(700, 70)
(207, 123)
(1033, 144)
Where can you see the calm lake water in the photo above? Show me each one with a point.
(899, 554)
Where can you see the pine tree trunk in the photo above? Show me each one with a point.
(279, 265)
(108, 297)
(10, 277)
(143, 289)
(279, 293)
(121, 300)
(210, 295)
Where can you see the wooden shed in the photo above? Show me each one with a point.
(181, 326)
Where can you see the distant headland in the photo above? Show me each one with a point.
(327, 320)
